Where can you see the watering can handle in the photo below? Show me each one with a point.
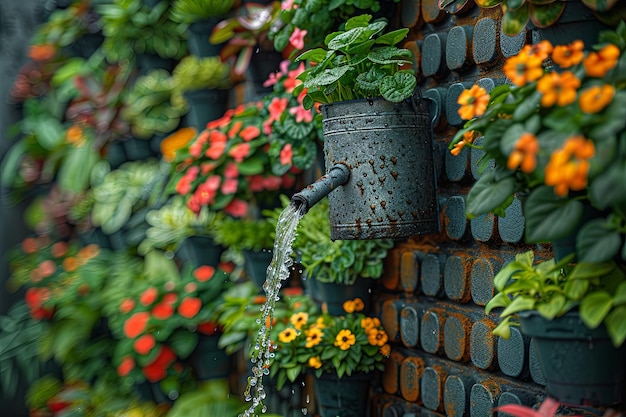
(417, 101)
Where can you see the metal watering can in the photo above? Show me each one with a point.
(380, 171)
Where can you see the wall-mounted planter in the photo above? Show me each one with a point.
(205, 105)
(198, 38)
(581, 365)
(388, 148)
(345, 397)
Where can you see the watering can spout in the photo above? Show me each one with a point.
(312, 194)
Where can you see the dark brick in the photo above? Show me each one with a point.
(483, 398)
(411, 372)
(536, 373)
(433, 50)
(512, 354)
(455, 220)
(459, 47)
(456, 338)
(438, 95)
(483, 345)
(431, 275)
(511, 226)
(478, 167)
(390, 318)
(481, 276)
(452, 107)
(409, 271)
(511, 45)
(391, 374)
(456, 279)
(457, 166)
(410, 317)
(431, 12)
(485, 48)
(482, 227)
(431, 331)
(456, 395)
(410, 13)
(432, 387)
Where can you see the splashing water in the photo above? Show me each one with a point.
(277, 271)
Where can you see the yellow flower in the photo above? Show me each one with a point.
(345, 338)
(287, 335)
(377, 337)
(596, 98)
(473, 102)
(566, 56)
(359, 305)
(176, 141)
(524, 154)
(299, 319)
(558, 88)
(319, 323)
(315, 362)
(313, 337)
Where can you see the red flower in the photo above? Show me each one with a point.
(277, 107)
(204, 273)
(47, 268)
(157, 370)
(127, 305)
(29, 245)
(236, 208)
(216, 150)
(162, 311)
(239, 152)
(272, 182)
(58, 249)
(249, 133)
(170, 298)
(231, 171)
(208, 328)
(136, 324)
(230, 186)
(189, 307)
(127, 365)
(286, 153)
(148, 296)
(236, 127)
(144, 344)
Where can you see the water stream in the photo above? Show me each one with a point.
(277, 272)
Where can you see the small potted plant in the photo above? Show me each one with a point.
(554, 138)
(150, 110)
(361, 76)
(202, 84)
(573, 311)
(337, 270)
(200, 16)
(341, 352)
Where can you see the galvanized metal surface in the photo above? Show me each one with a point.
(391, 192)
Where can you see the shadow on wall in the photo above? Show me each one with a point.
(18, 19)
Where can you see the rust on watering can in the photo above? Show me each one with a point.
(392, 188)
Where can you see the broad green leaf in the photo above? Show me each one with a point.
(616, 325)
(575, 289)
(343, 40)
(487, 3)
(594, 308)
(327, 77)
(503, 329)
(597, 242)
(362, 20)
(514, 21)
(10, 163)
(251, 166)
(552, 308)
(392, 38)
(487, 194)
(545, 15)
(620, 295)
(527, 107)
(510, 137)
(398, 87)
(390, 55)
(75, 170)
(600, 5)
(499, 300)
(549, 217)
(184, 343)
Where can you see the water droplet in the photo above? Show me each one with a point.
(305, 411)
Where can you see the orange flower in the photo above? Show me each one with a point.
(162, 311)
(569, 165)
(29, 245)
(136, 324)
(157, 370)
(468, 138)
(596, 98)
(148, 296)
(58, 249)
(189, 307)
(359, 305)
(177, 140)
(377, 337)
(385, 350)
(47, 268)
(541, 50)
(144, 344)
(524, 154)
(523, 68)
(127, 305)
(90, 251)
(70, 264)
(315, 362)
(566, 56)
(348, 306)
(75, 136)
(473, 102)
(369, 323)
(597, 64)
(234, 129)
(558, 88)
(42, 52)
(249, 133)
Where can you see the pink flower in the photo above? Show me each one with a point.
(291, 82)
(216, 136)
(207, 167)
(301, 114)
(231, 171)
(240, 152)
(237, 208)
(222, 121)
(229, 186)
(276, 108)
(286, 153)
(297, 38)
(196, 149)
(272, 182)
(256, 183)
(183, 186)
(249, 133)
(267, 128)
(216, 150)
(288, 4)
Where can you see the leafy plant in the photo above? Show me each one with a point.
(560, 152)
(130, 27)
(543, 13)
(210, 398)
(149, 108)
(358, 62)
(245, 233)
(197, 73)
(324, 343)
(339, 261)
(244, 32)
(190, 11)
(596, 290)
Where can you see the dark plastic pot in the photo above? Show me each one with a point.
(256, 264)
(346, 397)
(581, 366)
(208, 360)
(205, 105)
(200, 250)
(333, 296)
(198, 35)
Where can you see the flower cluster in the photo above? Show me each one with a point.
(322, 343)
(158, 324)
(251, 154)
(554, 136)
(51, 273)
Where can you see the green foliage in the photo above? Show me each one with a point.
(339, 261)
(131, 28)
(211, 398)
(190, 11)
(245, 233)
(596, 290)
(318, 18)
(197, 73)
(358, 62)
(149, 108)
